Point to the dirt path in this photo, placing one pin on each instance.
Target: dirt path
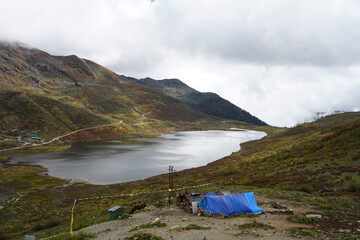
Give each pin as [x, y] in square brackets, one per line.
[62, 136]
[28, 145]
[274, 226]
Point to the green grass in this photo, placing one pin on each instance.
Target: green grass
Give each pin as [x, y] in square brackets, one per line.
[156, 224]
[124, 216]
[320, 234]
[325, 207]
[306, 188]
[243, 215]
[196, 227]
[307, 220]
[313, 212]
[77, 236]
[143, 236]
[48, 224]
[253, 224]
[9, 144]
[303, 233]
[347, 236]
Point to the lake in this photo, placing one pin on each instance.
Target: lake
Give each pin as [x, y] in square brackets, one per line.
[115, 161]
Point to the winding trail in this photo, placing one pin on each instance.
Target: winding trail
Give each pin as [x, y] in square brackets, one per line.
[28, 145]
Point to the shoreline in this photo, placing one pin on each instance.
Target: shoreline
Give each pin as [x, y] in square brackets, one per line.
[83, 179]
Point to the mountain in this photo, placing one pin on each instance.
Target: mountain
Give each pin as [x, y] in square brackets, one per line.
[53, 95]
[209, 103]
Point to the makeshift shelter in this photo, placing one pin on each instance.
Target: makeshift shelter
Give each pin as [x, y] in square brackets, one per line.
[187, 199]
[230, 204]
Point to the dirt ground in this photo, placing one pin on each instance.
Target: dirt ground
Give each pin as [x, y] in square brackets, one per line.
[275, 225]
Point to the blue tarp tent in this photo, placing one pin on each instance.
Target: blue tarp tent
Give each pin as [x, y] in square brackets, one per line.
[230, 204]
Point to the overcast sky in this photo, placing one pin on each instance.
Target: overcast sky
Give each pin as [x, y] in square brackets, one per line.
[281, 60]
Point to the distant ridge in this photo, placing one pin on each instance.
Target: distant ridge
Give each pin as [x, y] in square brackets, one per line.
[209, 103]
[319, 115]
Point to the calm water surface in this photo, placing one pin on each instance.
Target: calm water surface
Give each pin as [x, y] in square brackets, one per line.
[115, 161]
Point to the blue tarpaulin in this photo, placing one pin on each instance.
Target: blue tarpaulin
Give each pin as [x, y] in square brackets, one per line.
[230, 204]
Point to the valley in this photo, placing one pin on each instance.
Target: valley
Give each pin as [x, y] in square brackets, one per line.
[335, 196]
[50, 103]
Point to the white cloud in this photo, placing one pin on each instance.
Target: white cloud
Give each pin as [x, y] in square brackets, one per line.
[280, 60]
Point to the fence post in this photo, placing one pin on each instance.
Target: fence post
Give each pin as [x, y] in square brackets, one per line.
[72, 217]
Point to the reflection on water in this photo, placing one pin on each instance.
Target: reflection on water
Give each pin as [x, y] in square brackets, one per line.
[115, 161]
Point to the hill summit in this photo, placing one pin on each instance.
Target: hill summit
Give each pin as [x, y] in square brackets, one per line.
[208, 102]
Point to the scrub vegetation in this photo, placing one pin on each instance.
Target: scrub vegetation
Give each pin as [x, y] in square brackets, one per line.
[253, 224]
[196, 227]
[143, 236]
[156, 224]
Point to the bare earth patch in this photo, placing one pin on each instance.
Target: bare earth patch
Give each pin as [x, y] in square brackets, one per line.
[271, 226]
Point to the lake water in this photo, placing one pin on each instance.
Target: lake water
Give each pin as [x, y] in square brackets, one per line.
[116, 161]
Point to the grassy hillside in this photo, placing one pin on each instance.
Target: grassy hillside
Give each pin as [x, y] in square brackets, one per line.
[49, 116]
[53, 95]
[308, 157]
[290, 163]
[209, 103]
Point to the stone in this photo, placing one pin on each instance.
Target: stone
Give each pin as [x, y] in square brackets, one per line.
[175, 227]
[277, 205]
[272, 225]
[314, 215]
